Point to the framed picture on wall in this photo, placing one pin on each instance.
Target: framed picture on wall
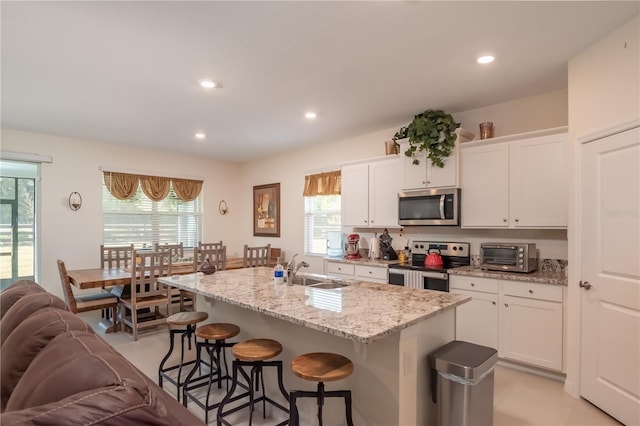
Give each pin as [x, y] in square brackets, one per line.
[266, 210]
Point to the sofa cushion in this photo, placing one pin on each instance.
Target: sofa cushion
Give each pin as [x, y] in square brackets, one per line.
[27, 340]
[79, 379]
[23, 308]
[15, 291]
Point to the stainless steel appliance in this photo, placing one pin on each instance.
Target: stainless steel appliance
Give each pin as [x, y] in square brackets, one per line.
[417, 275]
[429, 207]
[511, 257]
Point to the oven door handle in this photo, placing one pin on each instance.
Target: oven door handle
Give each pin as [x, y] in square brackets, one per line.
[438, 275]
[442, 207]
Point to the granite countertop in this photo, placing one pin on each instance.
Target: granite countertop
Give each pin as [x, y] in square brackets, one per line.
[362, 311]
[545, 277]
[363, 261]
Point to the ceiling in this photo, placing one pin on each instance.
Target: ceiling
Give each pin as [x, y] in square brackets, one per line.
[128, 72]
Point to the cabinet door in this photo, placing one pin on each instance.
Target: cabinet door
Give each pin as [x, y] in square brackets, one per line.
[485, 186]
[538, 194]
[415, 176]
[477, 320]
[531, 331]
[384, 185]
[355, 195]
[446, 176]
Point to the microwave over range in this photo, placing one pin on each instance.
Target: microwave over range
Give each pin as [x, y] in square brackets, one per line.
[429, 207]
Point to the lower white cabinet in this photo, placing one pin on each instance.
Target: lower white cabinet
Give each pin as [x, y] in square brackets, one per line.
[531, 328]
[522, 320]
[374, 274]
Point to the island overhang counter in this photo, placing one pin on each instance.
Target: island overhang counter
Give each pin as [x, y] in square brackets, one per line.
[387, 331]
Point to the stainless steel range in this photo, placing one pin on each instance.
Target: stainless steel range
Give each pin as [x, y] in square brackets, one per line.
[416, 275]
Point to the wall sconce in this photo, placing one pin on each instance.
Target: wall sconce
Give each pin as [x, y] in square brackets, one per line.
[75, 201]
[222, 207]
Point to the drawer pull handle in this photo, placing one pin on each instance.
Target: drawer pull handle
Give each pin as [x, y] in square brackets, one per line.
[506, 305]
[473, 284]
[530, 291]
[493, 303]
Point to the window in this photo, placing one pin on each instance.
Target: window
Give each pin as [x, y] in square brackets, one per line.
[321, 216]
[143, 222]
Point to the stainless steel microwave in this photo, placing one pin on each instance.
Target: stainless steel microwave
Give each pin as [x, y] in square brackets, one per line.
[429, 207]
[512, 257]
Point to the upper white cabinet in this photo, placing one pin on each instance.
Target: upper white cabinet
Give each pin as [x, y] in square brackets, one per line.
[515, 184]
[370, 193]
[425, 174]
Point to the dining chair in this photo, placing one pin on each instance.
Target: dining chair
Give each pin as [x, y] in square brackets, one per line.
[140, 308]
[256, 256]
[216, 256]
[86, 302]
[175, 250]
[209, 246]
[116, 256]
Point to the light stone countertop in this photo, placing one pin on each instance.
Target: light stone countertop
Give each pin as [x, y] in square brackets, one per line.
[363, 312]
[538, 276]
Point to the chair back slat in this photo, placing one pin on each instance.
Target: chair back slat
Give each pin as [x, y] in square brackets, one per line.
[256, 256]
[116, 256]
[209, 246]
[216, 256]
[69, 298]
[175, 250]
[148, 268]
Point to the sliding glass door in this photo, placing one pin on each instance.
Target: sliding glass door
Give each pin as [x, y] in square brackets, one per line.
[17, 221]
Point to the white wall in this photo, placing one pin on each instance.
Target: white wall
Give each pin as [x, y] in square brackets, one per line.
[604, 91]
[535, 113]
[75, 237]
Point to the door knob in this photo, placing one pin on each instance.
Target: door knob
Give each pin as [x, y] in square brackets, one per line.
[585, 285]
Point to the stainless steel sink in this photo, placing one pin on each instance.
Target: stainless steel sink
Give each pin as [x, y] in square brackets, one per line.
[318, 281]
[329, 285]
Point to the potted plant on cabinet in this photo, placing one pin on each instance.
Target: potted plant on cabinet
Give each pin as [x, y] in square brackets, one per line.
[432, 132]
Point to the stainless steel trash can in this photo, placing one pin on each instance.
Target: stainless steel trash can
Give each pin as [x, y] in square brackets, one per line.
[462, 383]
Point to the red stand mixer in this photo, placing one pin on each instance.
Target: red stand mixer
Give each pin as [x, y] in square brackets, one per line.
[353, 247]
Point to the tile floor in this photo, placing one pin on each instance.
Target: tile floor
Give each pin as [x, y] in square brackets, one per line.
[520, 398]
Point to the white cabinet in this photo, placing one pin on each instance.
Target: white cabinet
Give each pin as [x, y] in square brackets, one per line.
[425, 174]
[374, 274]
[370, 193]
[477, 320]
[522, 320]
[515, 184]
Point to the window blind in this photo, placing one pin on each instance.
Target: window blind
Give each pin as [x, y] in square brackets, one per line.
[321, 215]
[143, 222]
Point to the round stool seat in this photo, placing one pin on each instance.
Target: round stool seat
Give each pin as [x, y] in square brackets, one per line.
[256, 349]
[217, 331]
[187, 318]
[322, 366]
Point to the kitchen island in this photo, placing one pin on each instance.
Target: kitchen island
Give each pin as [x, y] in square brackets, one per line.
[387, 331]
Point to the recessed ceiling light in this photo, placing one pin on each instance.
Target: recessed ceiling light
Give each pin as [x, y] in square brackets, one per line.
[310, 115]
[485, 59]
[200, 135]
[210, 84]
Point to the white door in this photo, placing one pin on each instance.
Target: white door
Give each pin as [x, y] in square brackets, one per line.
[485, 186]
[610, 274]
[355, 195]
[384, 184]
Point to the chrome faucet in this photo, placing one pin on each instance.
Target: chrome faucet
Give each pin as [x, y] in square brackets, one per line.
[295, 270]
[290, 266]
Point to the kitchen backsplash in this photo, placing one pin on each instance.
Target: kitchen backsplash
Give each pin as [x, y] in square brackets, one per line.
[552, 265]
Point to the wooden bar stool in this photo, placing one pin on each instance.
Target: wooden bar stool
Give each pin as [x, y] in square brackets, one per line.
[214, 338]
[254, 353]
[320, 367]
[185, 323]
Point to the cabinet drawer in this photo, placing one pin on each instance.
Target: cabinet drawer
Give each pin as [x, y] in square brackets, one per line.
[532, 290]
[486, 285]
[340, 268]
[371, 272]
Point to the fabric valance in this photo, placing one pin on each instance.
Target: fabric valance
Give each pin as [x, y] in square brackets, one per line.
[124, 186]
[327, 183]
